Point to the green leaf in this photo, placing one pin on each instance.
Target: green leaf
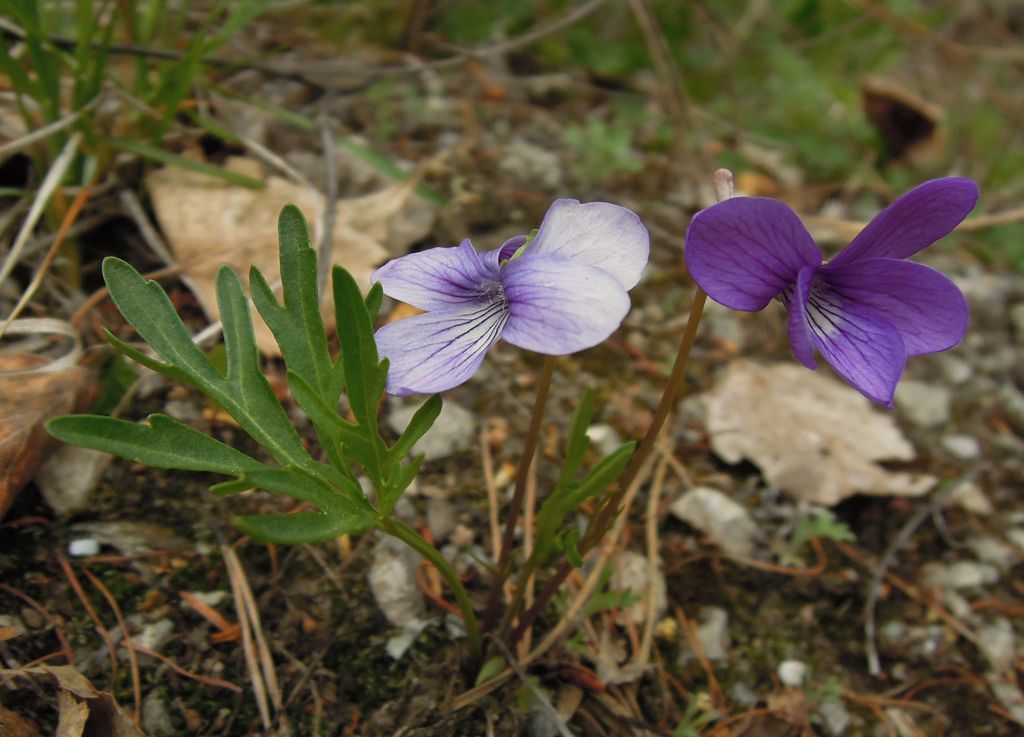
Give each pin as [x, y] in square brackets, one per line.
[165, 369]
[342, 495]
[822, 525]
[389, 168]
[343, 507]
[567, 543]
[148, 309]
[494, 665]
[578, 441]
[244, 393]
[421, 421]
[227, 488]
[297, 324]
[241, 13]
[399, 483]
[335, 427]
[373, 299]
[365, 374]
[364, 371]
[301, 528]
[566, 499]
[19, 79]
[605, 473]
[162, 442]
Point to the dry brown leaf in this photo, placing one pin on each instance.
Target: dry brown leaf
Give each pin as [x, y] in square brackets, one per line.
[811, 435]
[911, 127]
[83, 709]
[9, 633]
[26, 401]
[73, 715]
[210, 223]
[12, 725]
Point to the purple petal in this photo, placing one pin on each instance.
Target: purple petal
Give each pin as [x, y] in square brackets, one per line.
[503, 252]
[600, 234]
[435, 351]
[558, 305]
[926, 307]
[914, 221]
[862, 346]
[438, 277]
[800, 336]
[746, 250]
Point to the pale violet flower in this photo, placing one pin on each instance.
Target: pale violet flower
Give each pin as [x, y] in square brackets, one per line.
[866, 310]
[566, 290]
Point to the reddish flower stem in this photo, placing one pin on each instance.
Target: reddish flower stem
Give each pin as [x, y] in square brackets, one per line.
[610, 509]
[516, 505]
[601, 523]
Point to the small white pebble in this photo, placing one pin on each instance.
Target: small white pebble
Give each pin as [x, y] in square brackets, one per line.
[962, 447]
[792, 673]
[83, 548]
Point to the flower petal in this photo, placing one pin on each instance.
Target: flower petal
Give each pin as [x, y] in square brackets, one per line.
[559, 305]
[607, 236]
[800, 336]
[860, 344]
[926, 307]
[503, 252]
[438, 277]
[435, 351]
[914, 221]
[746, 250]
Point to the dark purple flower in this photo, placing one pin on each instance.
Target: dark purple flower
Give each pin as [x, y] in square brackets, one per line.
[867, 309]
[565, 291]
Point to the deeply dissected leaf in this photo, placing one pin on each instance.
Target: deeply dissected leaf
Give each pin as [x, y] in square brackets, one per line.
[304, 527]
[365, 374]
[244, 392]
[297, 324]
[162, 442]
[340, 496]
[148, 309]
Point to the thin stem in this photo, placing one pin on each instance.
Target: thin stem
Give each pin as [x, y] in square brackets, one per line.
[516, 505]
[668, 400]
[413, 539]
[600, 524]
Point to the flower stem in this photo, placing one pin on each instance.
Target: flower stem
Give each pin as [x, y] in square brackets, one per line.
[413, 539]
[600, 524]
[610, 509]
[516, 505]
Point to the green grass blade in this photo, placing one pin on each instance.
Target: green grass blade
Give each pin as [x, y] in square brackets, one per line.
[155, 153]
[390, 169]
